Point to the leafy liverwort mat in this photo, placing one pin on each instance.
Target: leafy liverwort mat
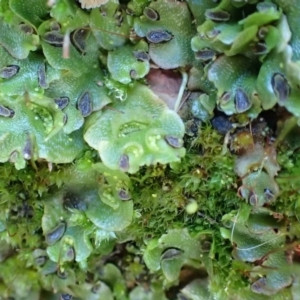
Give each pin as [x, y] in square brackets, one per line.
[149, 150]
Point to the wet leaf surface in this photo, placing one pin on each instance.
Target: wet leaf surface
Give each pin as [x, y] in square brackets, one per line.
[135, 121]
[175, 21]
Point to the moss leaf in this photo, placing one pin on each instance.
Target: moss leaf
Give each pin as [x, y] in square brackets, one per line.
[31, 11]
[176, 20]
[123, 64]
[26, 134]
[105, 217]
[12, 35]
[134, 133]
[105, 26]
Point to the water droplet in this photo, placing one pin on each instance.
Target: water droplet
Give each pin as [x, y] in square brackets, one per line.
[151, 14]
[62, 102]
[158, 36]
[78, 39]
[42, 76]
[55, 234]
[217, 16]
[171, 253]
[54, 38]
[242, 101]
[173, 141]
[9, 71]
[191, 207]
[6, 112]
[84, 104]
[281, 87]
[124, 163]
